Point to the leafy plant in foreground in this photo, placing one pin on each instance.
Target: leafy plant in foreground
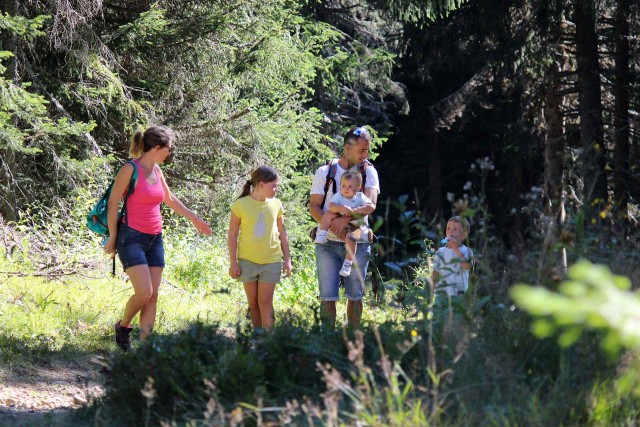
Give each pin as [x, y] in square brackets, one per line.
[592, 298]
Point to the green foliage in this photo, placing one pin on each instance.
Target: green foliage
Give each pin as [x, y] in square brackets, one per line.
[196, 266]
[23, 27]
[23, 117]
[422, 13]
[270, 368]
[467, 361]
[592, 299]
[238, 83]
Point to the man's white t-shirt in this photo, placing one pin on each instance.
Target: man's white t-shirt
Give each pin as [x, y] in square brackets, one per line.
[320, 178]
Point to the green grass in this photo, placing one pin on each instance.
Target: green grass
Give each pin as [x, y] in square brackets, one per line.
[77, 311]
[472, 363]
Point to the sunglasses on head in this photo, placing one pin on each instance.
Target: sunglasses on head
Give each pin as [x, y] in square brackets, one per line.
[361, 131]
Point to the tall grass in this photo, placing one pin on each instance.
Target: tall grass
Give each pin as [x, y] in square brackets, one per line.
[469, 361]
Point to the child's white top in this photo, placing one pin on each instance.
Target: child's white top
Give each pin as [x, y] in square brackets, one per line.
[453, 277]
[320, 179]
[359, 199]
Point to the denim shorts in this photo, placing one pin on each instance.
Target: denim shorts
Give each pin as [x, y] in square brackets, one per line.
[265, 273]
[329, 259]
[137, 248]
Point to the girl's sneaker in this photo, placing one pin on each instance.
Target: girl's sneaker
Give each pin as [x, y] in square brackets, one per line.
[321, 237]
[123, 336]
[345, 271]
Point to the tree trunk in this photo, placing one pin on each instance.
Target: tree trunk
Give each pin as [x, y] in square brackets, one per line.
[590, 110]
[7, 155]
[620, 160]
[554, 146]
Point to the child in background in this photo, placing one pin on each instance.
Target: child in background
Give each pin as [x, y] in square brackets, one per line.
[257, 242]
[349, 201]
[452, 261]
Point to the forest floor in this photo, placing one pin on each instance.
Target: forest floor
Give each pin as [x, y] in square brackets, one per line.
[47, 392]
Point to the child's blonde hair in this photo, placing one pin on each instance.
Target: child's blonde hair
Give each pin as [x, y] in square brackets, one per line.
[352, 175]
[463, 223]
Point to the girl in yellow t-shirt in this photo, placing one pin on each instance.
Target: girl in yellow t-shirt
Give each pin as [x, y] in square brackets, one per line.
[257, 241]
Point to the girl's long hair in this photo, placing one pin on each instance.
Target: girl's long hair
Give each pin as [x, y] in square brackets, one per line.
[145, 141]
[262, 174]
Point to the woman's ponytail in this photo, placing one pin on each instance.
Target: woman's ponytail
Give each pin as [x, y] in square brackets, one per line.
[137, 145]
[153, 136]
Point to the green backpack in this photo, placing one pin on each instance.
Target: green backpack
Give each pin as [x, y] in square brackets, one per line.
[97, 218]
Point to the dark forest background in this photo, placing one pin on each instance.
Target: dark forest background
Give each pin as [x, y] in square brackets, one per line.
[545, 90]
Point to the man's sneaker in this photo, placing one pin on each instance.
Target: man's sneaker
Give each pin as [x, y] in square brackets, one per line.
[123, 336]
[345, 271]
[321, 237]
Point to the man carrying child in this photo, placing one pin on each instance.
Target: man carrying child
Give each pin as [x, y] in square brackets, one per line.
[348, 202]
[330, 256]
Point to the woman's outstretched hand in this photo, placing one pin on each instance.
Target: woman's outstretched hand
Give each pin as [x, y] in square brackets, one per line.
[201, 225]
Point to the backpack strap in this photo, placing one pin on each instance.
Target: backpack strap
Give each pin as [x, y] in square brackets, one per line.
[130, 188]
[331, 178]
[362, 168]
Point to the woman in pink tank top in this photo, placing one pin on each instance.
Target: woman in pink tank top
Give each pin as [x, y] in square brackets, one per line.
[137, 239]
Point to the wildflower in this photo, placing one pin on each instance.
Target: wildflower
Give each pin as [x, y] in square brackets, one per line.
[236, 415]
[414, 333]
[603, 214]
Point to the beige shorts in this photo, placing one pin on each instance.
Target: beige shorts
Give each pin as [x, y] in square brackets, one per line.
[265, 273]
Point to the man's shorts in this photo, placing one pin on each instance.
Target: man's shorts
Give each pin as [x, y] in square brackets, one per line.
[329, 259]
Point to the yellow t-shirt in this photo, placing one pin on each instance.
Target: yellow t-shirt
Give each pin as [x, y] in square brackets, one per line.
[259, 239]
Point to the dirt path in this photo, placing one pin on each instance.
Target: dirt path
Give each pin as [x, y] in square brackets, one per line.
[40, 394]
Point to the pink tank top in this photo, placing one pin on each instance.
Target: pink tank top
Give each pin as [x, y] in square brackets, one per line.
[143, 205]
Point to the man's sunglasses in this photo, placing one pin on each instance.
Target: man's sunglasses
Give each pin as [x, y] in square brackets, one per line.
[361, 131]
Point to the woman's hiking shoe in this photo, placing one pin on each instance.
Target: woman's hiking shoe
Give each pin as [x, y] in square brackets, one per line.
[123, 336]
